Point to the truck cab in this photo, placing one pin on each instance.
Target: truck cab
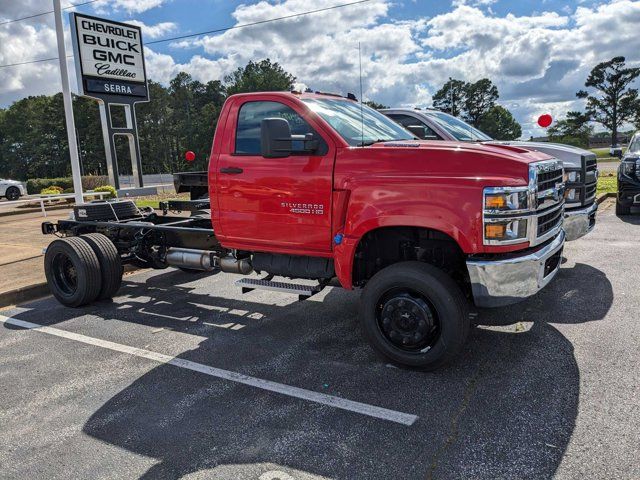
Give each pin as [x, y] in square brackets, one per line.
[629, 178]
[322, 188]
[580, 165]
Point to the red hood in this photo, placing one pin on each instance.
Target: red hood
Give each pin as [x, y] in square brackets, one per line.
[503, 151]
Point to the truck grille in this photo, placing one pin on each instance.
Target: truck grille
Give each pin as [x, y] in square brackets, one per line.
[549, 221]
[549, 194]
[591, 176]
[548, 180]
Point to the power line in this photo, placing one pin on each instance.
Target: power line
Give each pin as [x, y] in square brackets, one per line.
[31, 61]
[219, 30]
[260, 22]
[46, 13]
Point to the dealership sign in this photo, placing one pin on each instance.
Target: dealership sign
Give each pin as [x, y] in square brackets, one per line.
[109, 57]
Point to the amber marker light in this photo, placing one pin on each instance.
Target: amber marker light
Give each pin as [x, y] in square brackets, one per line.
[495, 231]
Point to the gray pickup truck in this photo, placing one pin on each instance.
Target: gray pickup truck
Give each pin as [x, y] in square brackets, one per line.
[580, 165]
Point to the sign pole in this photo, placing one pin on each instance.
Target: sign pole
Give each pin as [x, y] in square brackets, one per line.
[68, 105]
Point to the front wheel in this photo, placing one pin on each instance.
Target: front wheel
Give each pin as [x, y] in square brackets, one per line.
[12, 194]
[415, 315]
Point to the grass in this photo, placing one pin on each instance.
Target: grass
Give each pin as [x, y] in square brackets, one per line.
[607, 185]
[603, 154]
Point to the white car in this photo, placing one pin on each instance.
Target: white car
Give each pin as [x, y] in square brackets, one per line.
[11, 189]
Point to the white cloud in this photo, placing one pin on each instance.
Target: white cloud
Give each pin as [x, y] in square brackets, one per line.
[538, 60]
[130, 6]
[154, 31]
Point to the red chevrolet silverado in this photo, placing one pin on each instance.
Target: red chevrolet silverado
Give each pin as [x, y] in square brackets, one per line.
[322, 188]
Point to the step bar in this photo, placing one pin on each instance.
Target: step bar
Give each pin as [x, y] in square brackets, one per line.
[303, 291]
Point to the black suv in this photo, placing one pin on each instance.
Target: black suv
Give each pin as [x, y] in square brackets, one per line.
[629, 178]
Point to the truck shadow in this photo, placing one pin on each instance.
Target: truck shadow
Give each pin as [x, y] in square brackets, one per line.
[505, 409]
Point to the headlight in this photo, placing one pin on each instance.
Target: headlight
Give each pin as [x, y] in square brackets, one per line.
[504, 199]
[573, 177]
[572, 195]
[505, 230]
[627, 168]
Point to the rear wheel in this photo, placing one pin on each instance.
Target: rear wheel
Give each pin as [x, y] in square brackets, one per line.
[415, 315]
[73, 271]
[622, 209]
[110, 263]
[12, 193]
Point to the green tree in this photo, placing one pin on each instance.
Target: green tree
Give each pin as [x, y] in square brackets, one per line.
[451, 97]
[573, 130]
[613, 103]
[498, 123]
[375, 105]
[262, 76]
[479, 99]
[181, 116]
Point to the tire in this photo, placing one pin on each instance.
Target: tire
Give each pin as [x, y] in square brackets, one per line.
[12, 193]
[110, 263]
[622, 209]
[73, 272]
[426, 321]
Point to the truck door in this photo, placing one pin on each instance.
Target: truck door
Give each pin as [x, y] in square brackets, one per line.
[277, 204]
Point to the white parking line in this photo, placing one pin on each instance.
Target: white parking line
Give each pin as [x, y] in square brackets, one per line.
[310, 395]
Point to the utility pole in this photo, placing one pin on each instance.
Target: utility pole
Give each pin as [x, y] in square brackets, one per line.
[68, 105]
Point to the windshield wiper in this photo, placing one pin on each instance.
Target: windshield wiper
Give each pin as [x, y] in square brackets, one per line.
[368, 143]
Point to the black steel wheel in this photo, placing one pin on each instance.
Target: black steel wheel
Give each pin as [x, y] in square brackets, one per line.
[110, 263]
[73, 271]
[407, 320]
[415, 315]
[12, 193]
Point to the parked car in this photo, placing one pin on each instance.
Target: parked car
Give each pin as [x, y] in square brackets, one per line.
[615, 151]
[629, 178]
[11, 189]
[580, 165]
[318, 187]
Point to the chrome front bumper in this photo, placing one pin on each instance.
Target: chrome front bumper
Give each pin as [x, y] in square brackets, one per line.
[496, 283]
[577, 223]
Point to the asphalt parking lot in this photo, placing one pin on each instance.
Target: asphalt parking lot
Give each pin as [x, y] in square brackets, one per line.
[181, 376]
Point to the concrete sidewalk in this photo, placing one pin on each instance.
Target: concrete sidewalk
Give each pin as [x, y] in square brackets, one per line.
[21, 244]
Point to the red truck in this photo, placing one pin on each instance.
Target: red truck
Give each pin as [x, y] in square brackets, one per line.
[321, 188]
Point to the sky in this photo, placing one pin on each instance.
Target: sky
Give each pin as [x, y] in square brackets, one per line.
[538, 53]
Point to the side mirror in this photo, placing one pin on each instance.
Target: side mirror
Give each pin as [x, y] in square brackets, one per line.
[418, 130]
[275, 138]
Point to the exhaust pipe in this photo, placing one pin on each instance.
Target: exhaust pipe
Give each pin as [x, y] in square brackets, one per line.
[231, 264]
[207, 261]
[193, 259]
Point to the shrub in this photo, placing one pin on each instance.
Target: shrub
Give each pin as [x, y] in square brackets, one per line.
[69, 190]
[89, 182]
[36, 185]
[53, 190]
[107, 188]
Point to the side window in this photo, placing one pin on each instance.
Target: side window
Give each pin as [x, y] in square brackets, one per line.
[250, 117]
[406, 121]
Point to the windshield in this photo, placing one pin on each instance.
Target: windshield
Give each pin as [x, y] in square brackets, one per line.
[460, 130]
[355, 128]
[634, 146]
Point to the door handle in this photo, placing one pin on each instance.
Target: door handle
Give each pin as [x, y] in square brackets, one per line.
[231, 170]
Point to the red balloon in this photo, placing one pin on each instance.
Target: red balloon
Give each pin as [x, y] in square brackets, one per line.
[189, 156]
[545, 120]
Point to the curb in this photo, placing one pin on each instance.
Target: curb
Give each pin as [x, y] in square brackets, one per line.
[37, 291]
[24, 294]
[10, 213]
[604, 196]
